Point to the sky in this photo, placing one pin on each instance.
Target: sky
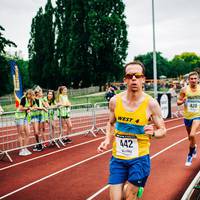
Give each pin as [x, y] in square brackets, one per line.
[177, 25]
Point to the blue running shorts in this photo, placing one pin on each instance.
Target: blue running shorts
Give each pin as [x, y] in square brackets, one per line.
[136, 171]
[188, 122]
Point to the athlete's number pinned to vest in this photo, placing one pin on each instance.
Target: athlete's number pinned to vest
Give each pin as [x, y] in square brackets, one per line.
[127, 147]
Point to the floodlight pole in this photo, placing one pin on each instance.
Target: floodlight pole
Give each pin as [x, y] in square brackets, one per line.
[154, 54]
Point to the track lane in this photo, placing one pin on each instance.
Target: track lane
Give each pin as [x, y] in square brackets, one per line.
[104, 165]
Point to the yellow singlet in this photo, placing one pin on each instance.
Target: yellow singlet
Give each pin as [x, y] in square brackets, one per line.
[192, 104]
[130, 141]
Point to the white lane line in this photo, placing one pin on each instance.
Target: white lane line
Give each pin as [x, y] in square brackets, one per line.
[173, 119]
[60, 171]
[54, 152]
[53, 174]
[153, 156]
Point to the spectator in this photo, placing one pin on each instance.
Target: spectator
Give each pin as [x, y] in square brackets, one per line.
[110, 93]
[37, 118]
[51, 104]
[23, 120]
[64, 111]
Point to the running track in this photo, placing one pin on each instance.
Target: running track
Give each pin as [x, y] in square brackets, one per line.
[78, 172]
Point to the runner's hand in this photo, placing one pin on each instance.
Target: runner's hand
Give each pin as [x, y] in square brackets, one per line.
[103, 146]
[149, 130]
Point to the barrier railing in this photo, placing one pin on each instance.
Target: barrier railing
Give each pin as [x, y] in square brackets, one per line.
[100, 118]
[80, 115]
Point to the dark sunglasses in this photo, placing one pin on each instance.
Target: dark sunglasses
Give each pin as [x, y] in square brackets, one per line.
[137, 75]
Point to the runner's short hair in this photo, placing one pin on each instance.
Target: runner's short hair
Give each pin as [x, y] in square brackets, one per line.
[135, 62]
[193, 73]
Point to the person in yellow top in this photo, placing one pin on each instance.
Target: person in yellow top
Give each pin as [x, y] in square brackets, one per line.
[64, 113]
[190, 97]
[129, 133]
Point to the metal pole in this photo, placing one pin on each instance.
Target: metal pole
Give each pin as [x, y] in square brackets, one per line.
[154, 54]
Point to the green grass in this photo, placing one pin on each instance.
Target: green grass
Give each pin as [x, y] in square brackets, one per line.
[87, 99]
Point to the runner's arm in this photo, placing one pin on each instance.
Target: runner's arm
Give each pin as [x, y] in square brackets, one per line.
[181, 98]
[155, 111]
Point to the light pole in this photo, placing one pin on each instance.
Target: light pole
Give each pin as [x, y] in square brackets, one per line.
[154, 54]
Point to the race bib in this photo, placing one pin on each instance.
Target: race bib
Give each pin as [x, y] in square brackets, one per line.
[193, 107]
[127, 146]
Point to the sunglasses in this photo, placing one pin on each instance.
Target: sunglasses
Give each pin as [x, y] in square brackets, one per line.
[137, 75]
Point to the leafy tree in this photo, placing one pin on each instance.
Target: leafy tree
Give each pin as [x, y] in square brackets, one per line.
[185, 62]
[35, 46]
[5, 76]
[147, 60]
[41, 48]
[92, 41]
[108, 39]
[62, 28]
[4, 42]
[49, 71]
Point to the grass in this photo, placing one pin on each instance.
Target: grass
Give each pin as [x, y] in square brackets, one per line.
[83, 99]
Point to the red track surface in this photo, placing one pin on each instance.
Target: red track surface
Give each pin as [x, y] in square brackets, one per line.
[76, 172]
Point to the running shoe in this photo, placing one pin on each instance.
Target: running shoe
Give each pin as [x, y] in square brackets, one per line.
[67, 140]
[188, 161]
[27, 152]
[38, 147]
[21, 152]
[195, 152]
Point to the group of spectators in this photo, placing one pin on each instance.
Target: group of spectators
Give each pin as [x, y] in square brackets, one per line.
[36, 110]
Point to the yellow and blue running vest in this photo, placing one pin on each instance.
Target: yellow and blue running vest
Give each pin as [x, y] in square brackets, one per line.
[192, 104]
[130, 141]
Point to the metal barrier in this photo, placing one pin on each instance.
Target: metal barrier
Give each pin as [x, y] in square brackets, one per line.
[100, 118]
[81, 117]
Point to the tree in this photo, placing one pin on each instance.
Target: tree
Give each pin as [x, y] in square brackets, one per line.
[49, 70]
[4, 42]
[185, 63]
[147, 60]
[35, 46]
[108, 39]
[92, 41]
[5, 75]
[62, 28]
[42, 64]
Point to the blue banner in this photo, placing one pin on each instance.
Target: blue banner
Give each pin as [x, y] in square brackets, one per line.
[17, 82]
